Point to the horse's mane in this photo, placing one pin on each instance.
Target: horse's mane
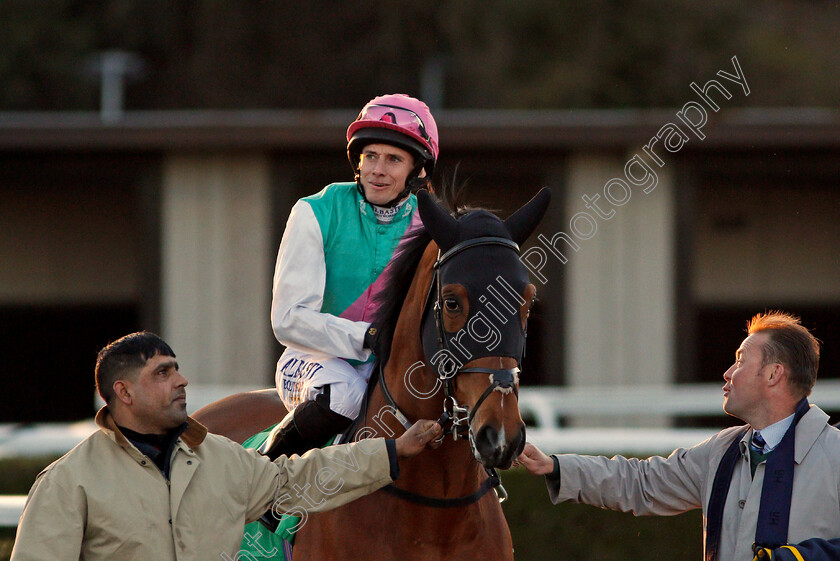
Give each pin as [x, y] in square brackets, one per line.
[390, 300]
[402, 269]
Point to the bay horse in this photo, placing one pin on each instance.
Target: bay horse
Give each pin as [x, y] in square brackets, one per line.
[451, 336]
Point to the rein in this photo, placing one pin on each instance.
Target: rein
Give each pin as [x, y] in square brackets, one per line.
[491, 482]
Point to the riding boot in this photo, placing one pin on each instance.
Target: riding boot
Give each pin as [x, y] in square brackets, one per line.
[309, 425]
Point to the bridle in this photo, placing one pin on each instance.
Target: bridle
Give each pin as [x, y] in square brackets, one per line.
[456, 419]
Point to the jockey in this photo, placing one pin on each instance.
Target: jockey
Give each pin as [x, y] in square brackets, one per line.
[335, 247]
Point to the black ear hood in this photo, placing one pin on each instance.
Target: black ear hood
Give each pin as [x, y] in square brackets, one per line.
[441, 225]
[523, 222]
[485, 261]
[447, 231]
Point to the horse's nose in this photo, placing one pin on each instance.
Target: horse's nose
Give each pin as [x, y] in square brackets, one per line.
[494, 451]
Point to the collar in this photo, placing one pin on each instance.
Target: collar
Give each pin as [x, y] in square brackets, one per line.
[405, 210]
[385, 215]
[193, 436]
[774, 433]
[808, 429]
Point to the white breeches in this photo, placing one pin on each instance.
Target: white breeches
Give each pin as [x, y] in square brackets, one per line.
[301, 376]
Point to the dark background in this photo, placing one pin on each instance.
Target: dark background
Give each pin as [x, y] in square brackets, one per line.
[200, 54]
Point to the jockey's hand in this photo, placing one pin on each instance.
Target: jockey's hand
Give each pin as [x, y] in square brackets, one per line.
[370, 336]
[535, 461]
[414, 440]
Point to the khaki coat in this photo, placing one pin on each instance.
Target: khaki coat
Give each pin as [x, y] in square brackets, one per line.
[105, 500]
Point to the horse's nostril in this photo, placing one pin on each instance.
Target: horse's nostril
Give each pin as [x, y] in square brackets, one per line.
[520, 442]
[486, 441]
[492, 451]
[491, 434]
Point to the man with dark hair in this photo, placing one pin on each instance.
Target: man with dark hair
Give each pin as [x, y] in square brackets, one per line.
[770, 489]
[126, 357]
[152, 483]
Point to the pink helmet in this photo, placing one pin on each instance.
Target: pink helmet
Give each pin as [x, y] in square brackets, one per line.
[399, 120]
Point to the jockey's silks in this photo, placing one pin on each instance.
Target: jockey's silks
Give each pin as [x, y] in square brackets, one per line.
[347, 223]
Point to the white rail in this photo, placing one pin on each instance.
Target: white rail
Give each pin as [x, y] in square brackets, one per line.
[544, 407]
[550, 404]
[11, 507]
[547, 407]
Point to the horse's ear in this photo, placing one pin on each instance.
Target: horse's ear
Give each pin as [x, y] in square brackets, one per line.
[440, 224]
[521, 223]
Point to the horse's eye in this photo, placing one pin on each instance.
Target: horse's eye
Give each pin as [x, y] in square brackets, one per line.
[451, 305]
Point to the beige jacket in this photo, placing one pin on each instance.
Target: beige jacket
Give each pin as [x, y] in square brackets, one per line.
[684, 480]
[105, 500]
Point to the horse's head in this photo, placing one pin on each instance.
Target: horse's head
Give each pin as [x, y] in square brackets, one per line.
[475, 322]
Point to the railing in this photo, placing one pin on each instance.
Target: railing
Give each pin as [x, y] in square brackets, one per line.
[676, 400]
[11, 507]
[546, 409]
[549, 407]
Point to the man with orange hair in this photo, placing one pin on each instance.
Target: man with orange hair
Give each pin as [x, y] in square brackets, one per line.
[770, 489]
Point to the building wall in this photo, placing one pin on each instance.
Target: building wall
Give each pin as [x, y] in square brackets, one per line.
[761, 242]
[764, 231]
[621, 279]
[184, 242]
[78, 262]
[216, 275]
[71, 232]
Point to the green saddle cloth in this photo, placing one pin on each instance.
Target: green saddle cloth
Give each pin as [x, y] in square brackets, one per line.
[257, 540]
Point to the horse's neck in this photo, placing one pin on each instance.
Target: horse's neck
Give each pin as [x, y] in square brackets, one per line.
[411, 383]
[418, 394]
[447, 471]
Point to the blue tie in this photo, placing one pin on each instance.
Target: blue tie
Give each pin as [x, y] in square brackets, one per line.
[757, 443]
